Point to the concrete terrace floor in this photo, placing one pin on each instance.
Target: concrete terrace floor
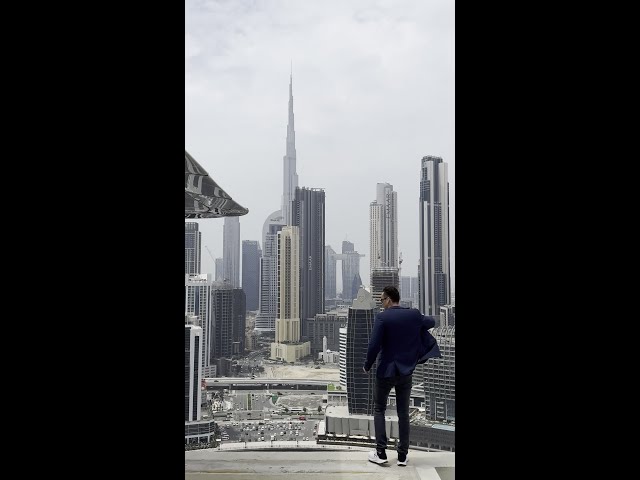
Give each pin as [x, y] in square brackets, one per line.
[314, 464]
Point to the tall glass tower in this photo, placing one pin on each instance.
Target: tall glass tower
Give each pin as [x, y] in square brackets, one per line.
[251, 254]
[192, 248]
[231, 251]
[308, 215]
[360, 385]
[434, 270]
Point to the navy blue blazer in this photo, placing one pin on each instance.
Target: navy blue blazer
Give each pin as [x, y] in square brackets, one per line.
[401, 336]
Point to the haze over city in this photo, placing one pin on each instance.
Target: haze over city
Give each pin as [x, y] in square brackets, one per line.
[373, 93]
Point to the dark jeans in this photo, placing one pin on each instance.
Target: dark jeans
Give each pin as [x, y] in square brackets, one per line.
[403, 393]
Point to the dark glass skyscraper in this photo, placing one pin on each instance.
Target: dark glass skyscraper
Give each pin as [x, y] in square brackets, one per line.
[228, 319]
[251, 254]
[308, 214]
[192, 248]
[360, 385]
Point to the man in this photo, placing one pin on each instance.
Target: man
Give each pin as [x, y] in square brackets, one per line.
[401, 336]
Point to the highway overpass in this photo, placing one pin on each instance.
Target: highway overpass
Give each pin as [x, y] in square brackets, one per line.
[239, 383]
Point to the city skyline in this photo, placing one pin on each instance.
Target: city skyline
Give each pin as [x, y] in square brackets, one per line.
[369, 104]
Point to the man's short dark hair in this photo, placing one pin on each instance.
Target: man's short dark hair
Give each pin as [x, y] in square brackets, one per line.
[393, 293]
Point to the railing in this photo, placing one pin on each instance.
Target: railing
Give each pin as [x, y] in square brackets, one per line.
[292, 444]
[283, 445]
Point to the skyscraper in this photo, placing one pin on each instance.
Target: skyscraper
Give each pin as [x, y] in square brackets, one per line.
[288, 317]
[405, 288]
[251, 254]
[329, 272]
[193, 371]
[219, 270]
[415, 291]
[447, 315]
[308, 215]
[383, 277]
[231, 251]
[265, 320]
[290, 177]
[228, 319]
[198, 303]
[192, 247]
[350, 265]
[440, 378]
[239, 321]
[356, 284]
[434, 269]
[287, 344]
[268, 294]
[359, 325]
[326, 325]
[383, 228]
[351, 281]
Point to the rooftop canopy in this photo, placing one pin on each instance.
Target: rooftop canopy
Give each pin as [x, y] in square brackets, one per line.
[203, 198]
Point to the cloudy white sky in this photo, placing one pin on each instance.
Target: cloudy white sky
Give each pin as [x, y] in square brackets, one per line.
[373, 89]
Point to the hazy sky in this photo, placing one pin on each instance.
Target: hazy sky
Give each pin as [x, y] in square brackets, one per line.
[373, 90]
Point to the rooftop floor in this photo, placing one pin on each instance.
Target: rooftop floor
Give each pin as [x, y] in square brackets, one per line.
[314, 464]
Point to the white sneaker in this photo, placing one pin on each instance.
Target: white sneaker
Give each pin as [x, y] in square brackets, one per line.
[373, 457]
[403, 463]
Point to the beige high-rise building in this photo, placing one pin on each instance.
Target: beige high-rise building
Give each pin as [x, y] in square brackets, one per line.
[383, 228]
[287, 344]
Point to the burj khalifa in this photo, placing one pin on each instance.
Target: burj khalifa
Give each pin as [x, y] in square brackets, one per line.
[266, 318]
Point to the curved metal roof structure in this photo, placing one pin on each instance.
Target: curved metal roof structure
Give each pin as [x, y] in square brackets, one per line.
[203, 198]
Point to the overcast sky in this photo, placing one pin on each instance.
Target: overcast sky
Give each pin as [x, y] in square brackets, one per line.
[373, 90]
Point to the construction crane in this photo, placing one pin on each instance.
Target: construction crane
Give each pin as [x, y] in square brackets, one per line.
[211, 255]
[214, 261]
[213, 268]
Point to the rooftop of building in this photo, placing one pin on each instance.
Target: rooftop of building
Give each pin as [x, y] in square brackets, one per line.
[311, 461]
